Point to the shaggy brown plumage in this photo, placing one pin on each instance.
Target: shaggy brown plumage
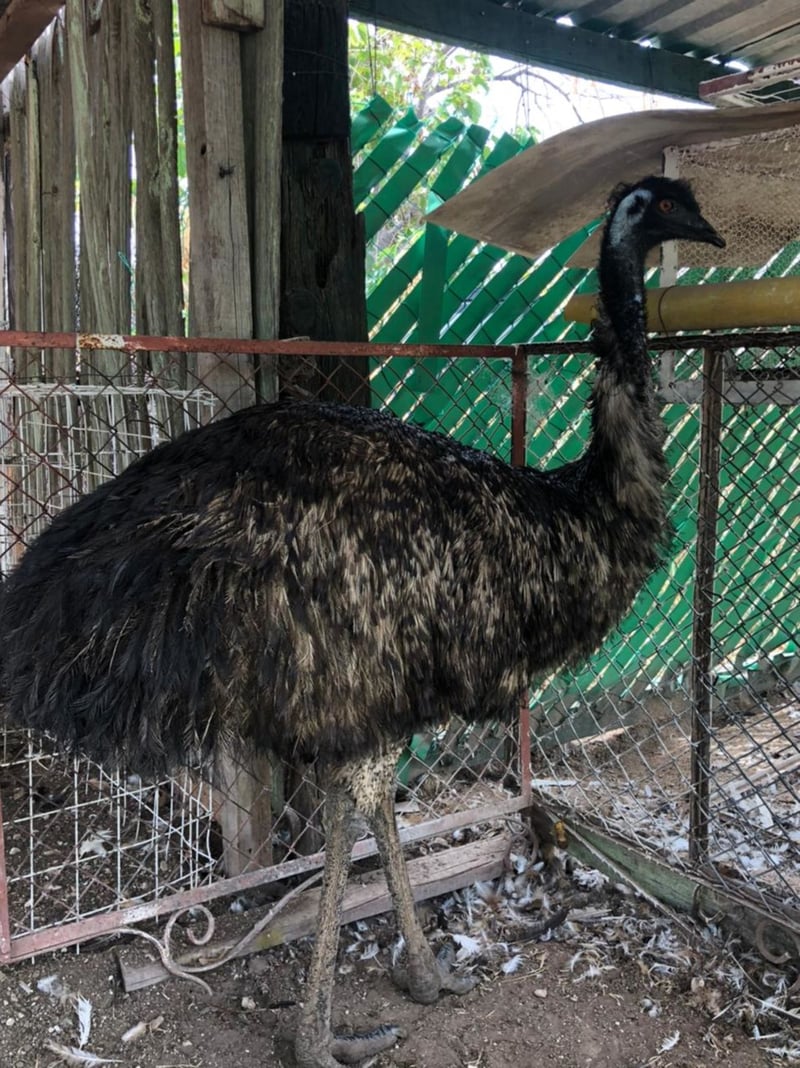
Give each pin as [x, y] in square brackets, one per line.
[322, 581]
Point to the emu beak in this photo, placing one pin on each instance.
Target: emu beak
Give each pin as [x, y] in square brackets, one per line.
[704, 231]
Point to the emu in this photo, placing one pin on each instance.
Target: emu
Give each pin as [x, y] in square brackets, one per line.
[322, 581]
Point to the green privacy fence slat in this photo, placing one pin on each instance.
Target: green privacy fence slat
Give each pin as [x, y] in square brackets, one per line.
[403, 281]
[453, 175]
[384, 156]
[434, 263]
[390, 289]
[366, 124]
[448, 287]
[385, 201]
[432, 286]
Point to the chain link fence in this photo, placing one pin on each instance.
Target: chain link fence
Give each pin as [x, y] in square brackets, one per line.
[680, 735]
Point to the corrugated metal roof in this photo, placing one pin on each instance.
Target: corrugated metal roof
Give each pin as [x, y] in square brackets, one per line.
[755, 33]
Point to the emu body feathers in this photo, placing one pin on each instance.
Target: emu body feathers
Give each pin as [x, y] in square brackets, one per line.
[312, 579]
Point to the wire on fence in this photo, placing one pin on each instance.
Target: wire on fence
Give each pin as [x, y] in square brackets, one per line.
[688, 750]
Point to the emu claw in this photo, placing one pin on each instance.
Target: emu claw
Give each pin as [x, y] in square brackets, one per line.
[424, 985]
[452, 983]
[314, 1049]
[349, 1049]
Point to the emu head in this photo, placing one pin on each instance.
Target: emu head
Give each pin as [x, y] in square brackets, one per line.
[658, 209]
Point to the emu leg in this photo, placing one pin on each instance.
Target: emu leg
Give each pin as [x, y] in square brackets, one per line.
[425, 975]
[315, 1045]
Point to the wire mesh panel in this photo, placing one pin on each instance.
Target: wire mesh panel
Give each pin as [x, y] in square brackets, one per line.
[85, 845]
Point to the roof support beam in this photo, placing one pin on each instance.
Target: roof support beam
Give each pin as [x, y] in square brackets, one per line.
[20, 25]
[525, 38]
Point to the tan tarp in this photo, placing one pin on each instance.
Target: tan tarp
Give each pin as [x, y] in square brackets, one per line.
[544, 194]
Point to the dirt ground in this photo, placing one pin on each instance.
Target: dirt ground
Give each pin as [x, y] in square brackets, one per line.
[550, 1012]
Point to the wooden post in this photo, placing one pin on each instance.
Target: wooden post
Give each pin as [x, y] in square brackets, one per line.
[57, 134]
[322, 249]
[98, 77]
[220, 296]
[705, 563]
[220, 304]
[323, 288]
[262, 85]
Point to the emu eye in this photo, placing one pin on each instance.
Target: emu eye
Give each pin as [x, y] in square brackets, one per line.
[666, 206]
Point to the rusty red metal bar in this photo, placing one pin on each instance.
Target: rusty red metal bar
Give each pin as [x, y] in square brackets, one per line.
[305, 347]
[5, 926]
[242, 346]
[519, 406]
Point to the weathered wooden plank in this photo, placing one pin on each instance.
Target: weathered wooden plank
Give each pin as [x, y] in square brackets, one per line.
[220, 297]
[438, 873]
[172, 369]
[33, 203]
[150, 305]
[237, 14]
[167, 111]
[765, 922]
[262, 83]
[158, 285]
[24, 191]
[101, 110]
[17, 216]
[57, 146]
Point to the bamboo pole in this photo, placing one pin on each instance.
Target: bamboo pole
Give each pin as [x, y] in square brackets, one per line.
[711, 306]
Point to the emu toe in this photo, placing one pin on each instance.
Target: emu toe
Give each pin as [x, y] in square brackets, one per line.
[425, 977]
[315, 1052]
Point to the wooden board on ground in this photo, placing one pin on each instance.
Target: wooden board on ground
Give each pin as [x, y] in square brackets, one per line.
[438, 873]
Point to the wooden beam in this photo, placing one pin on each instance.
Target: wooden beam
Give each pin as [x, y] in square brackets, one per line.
[239, 15]
[20, 24]
[322, 280]
[764, 919]
[367, 895]
[525, 38]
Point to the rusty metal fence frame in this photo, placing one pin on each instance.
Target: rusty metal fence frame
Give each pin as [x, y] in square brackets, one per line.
[519, 359]
[75, 931]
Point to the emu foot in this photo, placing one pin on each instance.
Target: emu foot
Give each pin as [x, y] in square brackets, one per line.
[349, 1049]
[425, 977]
[344, 1049]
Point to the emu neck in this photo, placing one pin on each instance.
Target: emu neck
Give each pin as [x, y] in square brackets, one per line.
[625, 458]
[622, 293]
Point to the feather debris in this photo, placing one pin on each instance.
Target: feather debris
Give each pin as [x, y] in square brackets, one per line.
[83, 1010]
[670, 1042]
[78, 1058]
[512, 965]
[53, 986]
